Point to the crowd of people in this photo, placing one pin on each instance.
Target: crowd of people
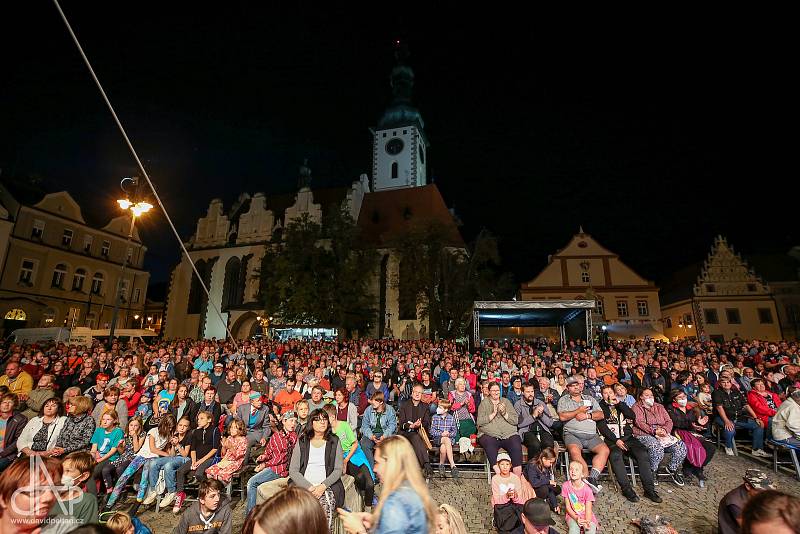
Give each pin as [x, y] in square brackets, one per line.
[155, 420]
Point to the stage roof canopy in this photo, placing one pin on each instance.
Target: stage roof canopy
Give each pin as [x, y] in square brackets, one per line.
[530, 312]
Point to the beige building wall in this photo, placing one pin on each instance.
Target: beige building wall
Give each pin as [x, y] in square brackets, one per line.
[62, 272]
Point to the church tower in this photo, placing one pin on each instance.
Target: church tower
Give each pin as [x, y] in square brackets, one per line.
[399, 148]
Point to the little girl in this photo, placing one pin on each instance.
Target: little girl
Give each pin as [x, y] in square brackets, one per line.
[234, 449]
[506, 490]
[134, 440]
[578, 498]
[539, 473]
[105, 442]
[704, 398]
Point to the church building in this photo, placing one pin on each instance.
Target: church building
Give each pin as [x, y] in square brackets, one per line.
[227, 246]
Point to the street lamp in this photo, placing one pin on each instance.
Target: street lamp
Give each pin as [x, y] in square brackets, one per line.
[136, 318]
[137, 209]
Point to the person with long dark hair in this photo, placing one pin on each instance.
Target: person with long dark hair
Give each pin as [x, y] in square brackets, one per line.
[317, 463]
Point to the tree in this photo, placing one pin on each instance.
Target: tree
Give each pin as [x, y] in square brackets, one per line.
[318, 276]
[444, 280]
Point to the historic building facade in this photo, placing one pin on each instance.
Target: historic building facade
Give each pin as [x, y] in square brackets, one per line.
[720, 299]
[227, 247]
[60, 271]
[626, 304]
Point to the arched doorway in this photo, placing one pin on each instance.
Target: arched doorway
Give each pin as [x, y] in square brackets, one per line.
[13, 319]
[245, 326]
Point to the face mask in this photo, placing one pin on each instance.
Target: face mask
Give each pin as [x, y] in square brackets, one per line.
[440, 410]
[68, 481]
[649, 402]
[682, 402]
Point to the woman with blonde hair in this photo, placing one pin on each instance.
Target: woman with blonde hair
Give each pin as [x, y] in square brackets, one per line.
[449, 521]
[405, 504]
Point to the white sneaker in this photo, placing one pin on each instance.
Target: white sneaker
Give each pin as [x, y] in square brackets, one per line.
[150, 497]
[167, 500]
[762, 453]
[729, 451]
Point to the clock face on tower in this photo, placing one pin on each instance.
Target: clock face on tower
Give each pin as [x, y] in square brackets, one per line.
[394, 146]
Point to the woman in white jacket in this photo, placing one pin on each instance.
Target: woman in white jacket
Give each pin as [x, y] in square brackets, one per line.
[39, 436]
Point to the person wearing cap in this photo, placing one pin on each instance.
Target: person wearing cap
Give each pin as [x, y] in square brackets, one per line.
[217, 374]
[729, 513]
[507, 498]
[256, 419]
[536, 517]
[274, 462]
[580, 414]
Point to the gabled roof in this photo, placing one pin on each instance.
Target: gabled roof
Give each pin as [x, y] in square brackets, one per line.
[581, 245]
[388, 215]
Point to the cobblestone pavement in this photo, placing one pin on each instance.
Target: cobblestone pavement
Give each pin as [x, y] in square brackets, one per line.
[690, 508]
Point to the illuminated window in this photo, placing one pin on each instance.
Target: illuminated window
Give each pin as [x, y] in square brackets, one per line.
[16, 314]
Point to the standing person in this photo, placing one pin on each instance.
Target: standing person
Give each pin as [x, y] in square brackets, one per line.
[12, 423]
[578, 499]
[317, 463]
[729, 513]
[210, 514]
[405, 505]
[274, 463]
[413, 416]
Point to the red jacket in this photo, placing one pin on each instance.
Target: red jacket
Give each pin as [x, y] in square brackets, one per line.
[760, 406]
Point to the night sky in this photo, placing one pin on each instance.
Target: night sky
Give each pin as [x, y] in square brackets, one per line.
[655, 137]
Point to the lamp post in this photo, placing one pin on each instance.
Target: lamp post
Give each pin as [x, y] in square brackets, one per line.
[137, 209]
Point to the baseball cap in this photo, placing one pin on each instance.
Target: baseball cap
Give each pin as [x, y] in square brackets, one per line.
[537, 512]
[503, 456]
[758, 479]
[572, 380]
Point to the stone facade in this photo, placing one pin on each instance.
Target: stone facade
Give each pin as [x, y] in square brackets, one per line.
[61, 271]
[727, 299]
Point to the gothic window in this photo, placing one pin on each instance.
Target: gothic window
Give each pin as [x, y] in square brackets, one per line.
[196, 293]
[422, 154]
[58, 276]
[711, 316]
[97, 283]
[765, 316]
[641, 307]
[733, 315]
[233, 289]
[407, 295]
[78, 279]
[668, 322]
[622, 308]
[394, 169]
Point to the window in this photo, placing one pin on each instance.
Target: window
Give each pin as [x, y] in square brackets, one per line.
[711, 288]
[38, 229]
[78, 279]
[668, 322]
[422, 155]
[130, 254]
[711, 316]
[622, 308]
[16, 314]
[106, 248]
[136, 294]
[765, 316]
[48, 317]
[66, 239]
[585, 277]
[58, 276]
[384, 134]
[87, 244]
[26, 272]
[733, 316]
[641, 307]
[751, 288]
[124, 285]
[394, 169]
[405, 132]
[598, 307]
[97, 283]
[91, 320]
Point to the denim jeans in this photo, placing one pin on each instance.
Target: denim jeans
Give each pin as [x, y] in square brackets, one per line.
[265, 475]
[170, 465]
[749, 424]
